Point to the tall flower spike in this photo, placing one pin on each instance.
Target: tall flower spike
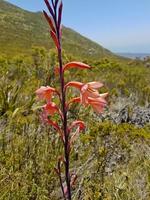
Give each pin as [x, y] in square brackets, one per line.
[89, 96]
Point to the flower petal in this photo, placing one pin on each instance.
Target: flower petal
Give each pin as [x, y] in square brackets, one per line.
[97, 100]
[75, 100]
[45, 93]
[80, 126]
[56, 126]
[95, 85]
[104, 95]
[75, 84]
[50, 108]
[98, 107]
[97, 104]
[86, 92]
[78, 123]
[76, 65]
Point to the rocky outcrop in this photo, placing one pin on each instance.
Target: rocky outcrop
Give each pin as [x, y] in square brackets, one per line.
[126, 111]
[137, 115]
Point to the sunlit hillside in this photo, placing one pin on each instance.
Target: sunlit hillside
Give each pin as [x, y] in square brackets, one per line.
[21, 30]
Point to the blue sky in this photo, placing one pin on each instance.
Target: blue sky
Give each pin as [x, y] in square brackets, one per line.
[119, 25]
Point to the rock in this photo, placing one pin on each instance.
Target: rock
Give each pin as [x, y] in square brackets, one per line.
[137, 115]
[141, 116]
[123, 116]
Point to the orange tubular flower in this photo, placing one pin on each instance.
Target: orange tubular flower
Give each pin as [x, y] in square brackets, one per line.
[74, 64]
[75, 84]
[86, 90]
[50, 108]
[73, 100]
[80, 126]
[45, 93]
[90, 90]
[89, 95]
[78, 123]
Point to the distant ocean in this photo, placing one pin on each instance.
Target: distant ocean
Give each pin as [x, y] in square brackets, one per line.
[134, 55]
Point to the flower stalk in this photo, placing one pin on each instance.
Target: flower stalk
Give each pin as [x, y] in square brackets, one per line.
[57, 40]
[65, 130]
[89, 96]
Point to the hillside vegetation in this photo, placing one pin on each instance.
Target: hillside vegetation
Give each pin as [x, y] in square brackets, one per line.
[111, 158]
[21, 30]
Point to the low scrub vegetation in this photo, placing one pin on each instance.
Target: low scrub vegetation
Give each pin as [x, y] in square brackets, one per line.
[111, 160]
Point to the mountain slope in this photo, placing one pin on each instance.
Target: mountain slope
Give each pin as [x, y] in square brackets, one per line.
[21, 29]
